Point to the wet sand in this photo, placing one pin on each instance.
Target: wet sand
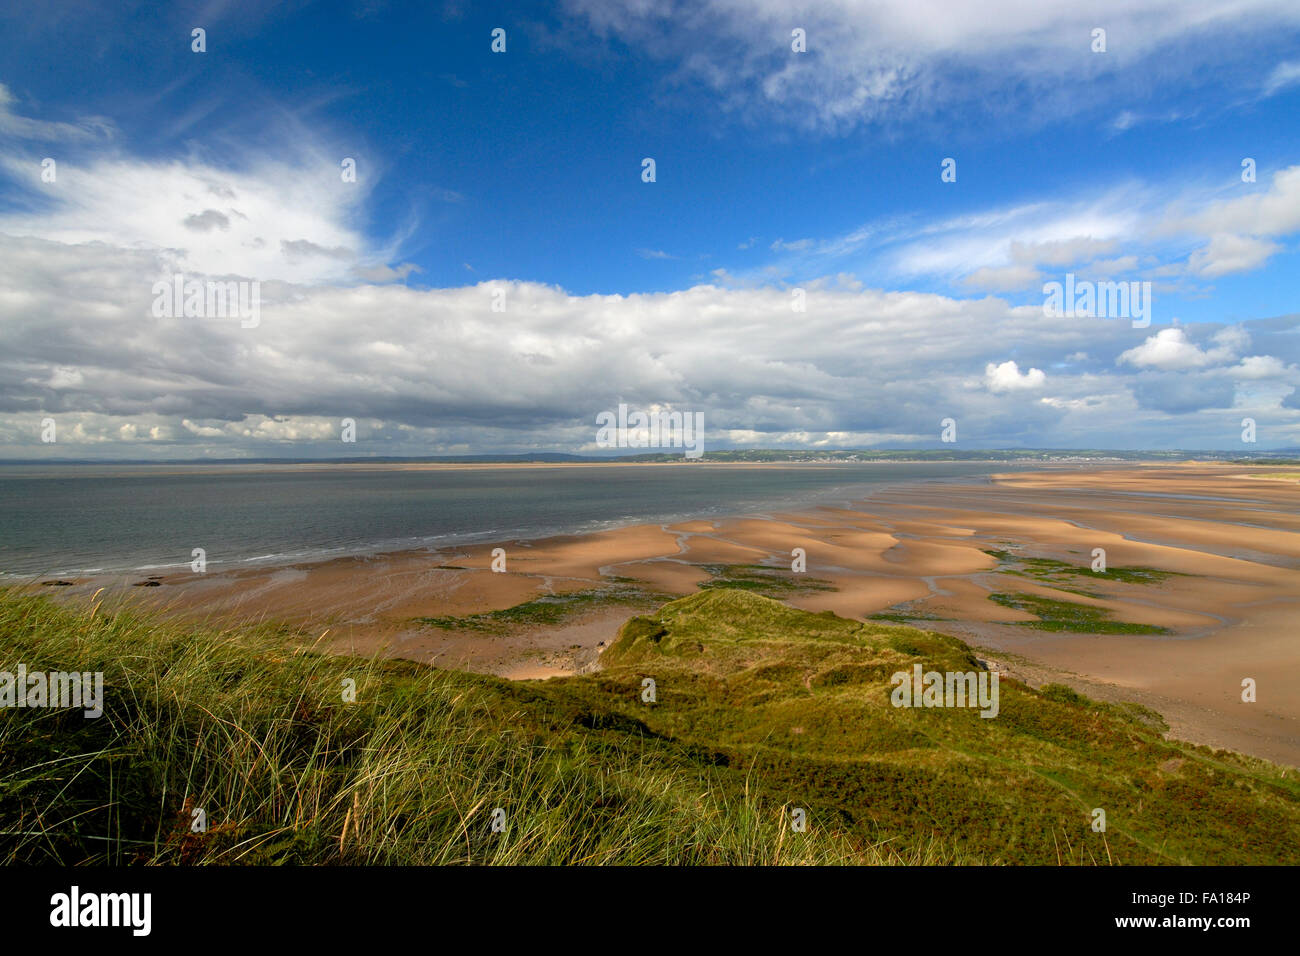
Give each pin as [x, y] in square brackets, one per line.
[1231, 534]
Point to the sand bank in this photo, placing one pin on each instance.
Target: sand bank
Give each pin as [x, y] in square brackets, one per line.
[1230, 535]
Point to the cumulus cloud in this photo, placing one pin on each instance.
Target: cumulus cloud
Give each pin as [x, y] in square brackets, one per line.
[1171, 350]
[1167, 349]
[438, 371]
[426, 371]
[1272, 211]
[1257, 367]
[1007, 377]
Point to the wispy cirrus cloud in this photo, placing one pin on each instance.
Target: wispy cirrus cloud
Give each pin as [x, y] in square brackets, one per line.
[15, 126]
[896, 59]
[1155, 231]
[1284, 75]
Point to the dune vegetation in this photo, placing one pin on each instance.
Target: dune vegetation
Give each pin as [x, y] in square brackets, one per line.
[761, 715]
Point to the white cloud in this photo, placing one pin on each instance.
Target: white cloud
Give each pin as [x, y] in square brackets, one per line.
[1284, 74]
[1274, 211]
[24, 128]
[1004, 278]
[1167, 349]
[1227, 254]
[868, 62]
[1171, 350]
[1007, 377]
[285, 219]
[1061, 252]
[1263, 367]
[427, 371]
[1150, 231]
[436, 371]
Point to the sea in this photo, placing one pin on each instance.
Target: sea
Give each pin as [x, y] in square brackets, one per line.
[71, 519]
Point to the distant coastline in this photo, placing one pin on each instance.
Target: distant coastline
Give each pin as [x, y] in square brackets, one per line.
[731, 456]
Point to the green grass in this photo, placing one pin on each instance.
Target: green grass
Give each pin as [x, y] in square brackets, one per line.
[1056, 615]
[898, 617]
[803, 700]
[547, 611]
[764, 580]
[254, 730]
[1052, 571]
[760, 708]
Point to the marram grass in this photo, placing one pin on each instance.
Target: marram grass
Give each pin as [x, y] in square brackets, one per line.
[760, 709]
[251, 728]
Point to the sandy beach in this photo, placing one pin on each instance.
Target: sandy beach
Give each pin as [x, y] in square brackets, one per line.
[1229, 535]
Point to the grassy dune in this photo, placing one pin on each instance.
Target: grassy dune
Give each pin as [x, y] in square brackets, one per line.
[547, 611]
[760, 709]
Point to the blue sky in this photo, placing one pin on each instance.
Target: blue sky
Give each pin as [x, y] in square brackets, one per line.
[774, 170]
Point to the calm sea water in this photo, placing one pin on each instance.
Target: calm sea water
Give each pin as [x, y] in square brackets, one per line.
[76, 519]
